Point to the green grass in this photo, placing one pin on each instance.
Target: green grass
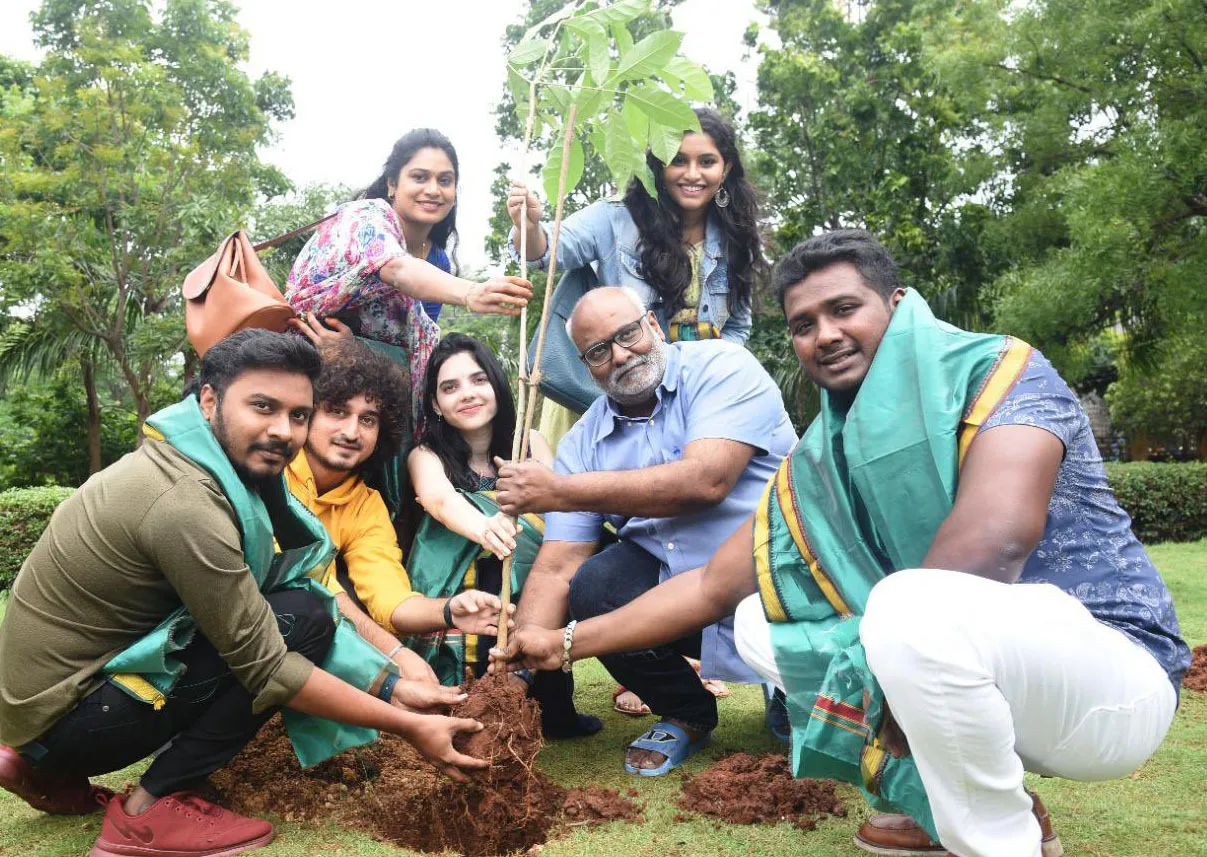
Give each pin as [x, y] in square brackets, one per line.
[1159, 809]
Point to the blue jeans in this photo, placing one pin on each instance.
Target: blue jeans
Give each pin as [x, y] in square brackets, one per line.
[666, 682]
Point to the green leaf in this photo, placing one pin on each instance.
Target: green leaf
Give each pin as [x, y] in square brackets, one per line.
[637, 123]
[664, 142]
[647, 178]
[695, 79]
[648, 56]
[560, 15]
[619, 152]
[553, 168]
[622, 11]
[664, 108]
[528, 51]
[589, 99]
[622, 37]
[596, 39]
[518, 87]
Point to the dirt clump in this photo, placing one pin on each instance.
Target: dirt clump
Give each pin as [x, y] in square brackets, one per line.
[746, 789]
[390, 791]
[1196, 676]
[593, 805]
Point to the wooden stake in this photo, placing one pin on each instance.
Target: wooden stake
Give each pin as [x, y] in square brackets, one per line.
[526, 409]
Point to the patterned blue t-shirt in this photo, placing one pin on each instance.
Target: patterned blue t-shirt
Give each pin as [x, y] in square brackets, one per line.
[1088, 548]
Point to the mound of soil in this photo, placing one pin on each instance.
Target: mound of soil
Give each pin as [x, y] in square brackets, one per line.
[390, 791]
[745, 789]
[1196, 676]
[593, 805]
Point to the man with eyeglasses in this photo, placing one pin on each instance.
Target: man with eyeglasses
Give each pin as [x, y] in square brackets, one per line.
[675, 456]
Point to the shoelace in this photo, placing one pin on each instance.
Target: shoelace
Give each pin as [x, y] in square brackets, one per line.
[196, 802]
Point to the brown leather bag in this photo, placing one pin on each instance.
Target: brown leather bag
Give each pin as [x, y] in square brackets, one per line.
[231, 291]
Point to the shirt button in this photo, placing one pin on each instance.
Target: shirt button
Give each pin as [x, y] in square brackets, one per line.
[670, 546]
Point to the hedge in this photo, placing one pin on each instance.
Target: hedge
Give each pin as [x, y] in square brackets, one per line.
[1167, 502]
[24, 513]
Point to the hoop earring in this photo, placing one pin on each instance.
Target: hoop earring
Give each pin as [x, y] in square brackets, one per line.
[722, 197]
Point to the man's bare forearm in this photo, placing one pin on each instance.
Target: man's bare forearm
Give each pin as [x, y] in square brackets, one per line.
[545, 602]
[373, 633]
[662, 491]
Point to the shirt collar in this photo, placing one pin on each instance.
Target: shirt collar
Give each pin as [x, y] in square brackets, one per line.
[669, 383]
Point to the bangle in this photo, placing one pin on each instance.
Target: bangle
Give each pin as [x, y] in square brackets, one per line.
[395, 651]
[386, 692]
[567, 642]
[448, 614]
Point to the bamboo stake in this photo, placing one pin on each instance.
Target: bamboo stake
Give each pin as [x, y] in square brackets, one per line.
[520, 442]
[521, 388]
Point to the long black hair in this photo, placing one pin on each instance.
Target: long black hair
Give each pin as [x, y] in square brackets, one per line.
[444, 440]
[444, 234]
[664, 259]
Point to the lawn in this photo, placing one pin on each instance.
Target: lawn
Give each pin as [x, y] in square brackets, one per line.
[1159, 809]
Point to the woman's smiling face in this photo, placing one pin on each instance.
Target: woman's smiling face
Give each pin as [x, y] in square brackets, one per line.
[465, 398]
[425, 190]
[695, 174]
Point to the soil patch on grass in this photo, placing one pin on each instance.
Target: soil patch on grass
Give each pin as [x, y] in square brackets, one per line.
[390, 791]
[1196, 676]
[746, 789]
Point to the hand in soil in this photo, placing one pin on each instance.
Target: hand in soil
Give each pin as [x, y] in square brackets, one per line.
[529, 647]
[424, 698]
[649, 759]
[433, 737]
[477, 612]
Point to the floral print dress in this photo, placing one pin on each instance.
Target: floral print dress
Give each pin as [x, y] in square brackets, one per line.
[338, 273]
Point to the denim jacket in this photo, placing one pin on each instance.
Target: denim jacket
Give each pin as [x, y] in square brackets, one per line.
[604, 233]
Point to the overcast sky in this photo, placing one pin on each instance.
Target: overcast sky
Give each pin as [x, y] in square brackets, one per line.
[366, 71]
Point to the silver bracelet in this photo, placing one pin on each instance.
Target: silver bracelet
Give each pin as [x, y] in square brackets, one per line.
[567, 642]
[395, 651]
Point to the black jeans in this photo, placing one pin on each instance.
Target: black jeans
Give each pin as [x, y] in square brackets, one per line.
[666, 682]
[207, 718]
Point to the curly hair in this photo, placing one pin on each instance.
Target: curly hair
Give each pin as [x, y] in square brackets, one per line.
[350, 369]
[660, 224]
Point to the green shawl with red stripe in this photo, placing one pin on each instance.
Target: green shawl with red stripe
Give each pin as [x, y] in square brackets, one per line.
[862, 495]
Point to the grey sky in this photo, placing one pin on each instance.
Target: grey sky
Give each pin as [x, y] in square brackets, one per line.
[366, 71]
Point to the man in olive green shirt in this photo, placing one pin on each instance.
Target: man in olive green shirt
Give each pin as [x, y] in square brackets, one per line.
[140, 539]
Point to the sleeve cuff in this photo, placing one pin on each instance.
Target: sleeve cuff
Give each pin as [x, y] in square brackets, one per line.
[284, 684]
[541, 264]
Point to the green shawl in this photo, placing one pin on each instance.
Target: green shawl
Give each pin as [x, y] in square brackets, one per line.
[862, 495]
[443, 563]
[149, 669]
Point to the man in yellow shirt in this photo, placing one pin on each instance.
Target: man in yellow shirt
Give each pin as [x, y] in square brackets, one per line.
[360, 402]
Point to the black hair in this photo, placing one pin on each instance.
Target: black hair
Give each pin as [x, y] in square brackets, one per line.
[666, 264]
[444, 234]
[855, 246]
[444, 440]
[256, 348]
[351, 369]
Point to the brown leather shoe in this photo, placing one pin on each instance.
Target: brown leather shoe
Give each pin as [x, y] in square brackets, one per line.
[898, 835]
[52, 793]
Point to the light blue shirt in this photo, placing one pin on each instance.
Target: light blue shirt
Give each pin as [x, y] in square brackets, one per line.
[710, 390]
[604, 235]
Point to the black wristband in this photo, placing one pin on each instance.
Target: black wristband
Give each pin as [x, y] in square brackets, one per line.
[386, 692]
[448, 614]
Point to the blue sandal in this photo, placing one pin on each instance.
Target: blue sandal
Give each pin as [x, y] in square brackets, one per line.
[669, 740]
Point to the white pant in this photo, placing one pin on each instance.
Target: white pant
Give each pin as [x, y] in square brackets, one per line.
[988, 680]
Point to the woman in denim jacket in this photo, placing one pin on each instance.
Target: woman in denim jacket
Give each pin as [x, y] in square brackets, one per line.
[691, 253]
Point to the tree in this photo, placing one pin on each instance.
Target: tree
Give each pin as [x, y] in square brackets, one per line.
[1096, 112]
[855, 129]
[125, 161]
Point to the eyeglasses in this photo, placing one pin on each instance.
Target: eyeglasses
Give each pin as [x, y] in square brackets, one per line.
[628, 336]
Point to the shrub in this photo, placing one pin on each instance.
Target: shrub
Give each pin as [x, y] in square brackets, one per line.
[1167, 502]
[24, 513]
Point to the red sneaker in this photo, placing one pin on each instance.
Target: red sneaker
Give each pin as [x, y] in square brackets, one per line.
[53, 793]
[178, 825]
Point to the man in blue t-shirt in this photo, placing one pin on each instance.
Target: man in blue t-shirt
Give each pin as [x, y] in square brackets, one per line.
[674, 458]
[1036, 635]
